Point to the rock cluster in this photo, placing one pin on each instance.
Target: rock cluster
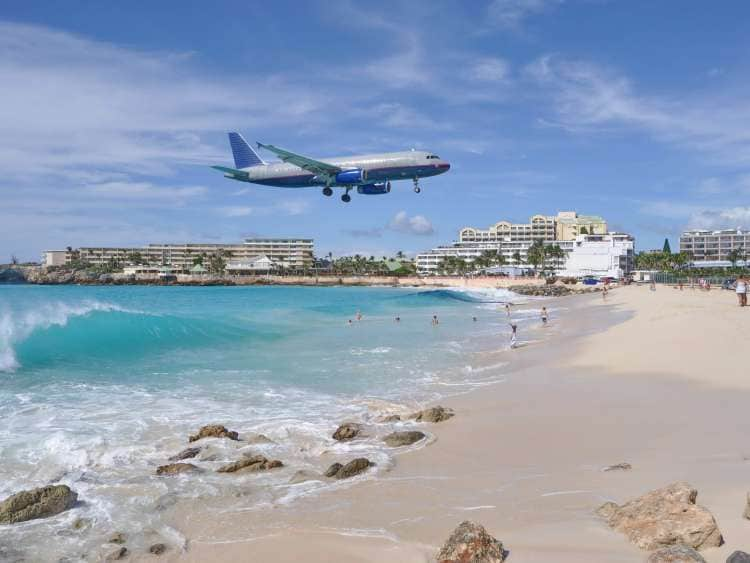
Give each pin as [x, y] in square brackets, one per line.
[175, 468]
[675, 554]
[214, 431]
[404, 438]
[664, 517]
[433, 414]
[354, 467]
[187, 453]
[37, 503]
[471, 543]
[554, 290]
[347, 431]
[251, 463]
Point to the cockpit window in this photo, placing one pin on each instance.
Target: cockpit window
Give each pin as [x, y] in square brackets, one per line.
[431, 156]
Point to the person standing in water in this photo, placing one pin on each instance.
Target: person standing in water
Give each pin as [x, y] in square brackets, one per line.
[359, 315]
[435, 320]
[507, 310]
[544, 316]
[513, 336]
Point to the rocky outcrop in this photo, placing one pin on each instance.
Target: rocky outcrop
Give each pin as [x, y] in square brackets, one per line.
[405, 438]
[157, 549]
[624, 466]
[470, 543]
[214, 431]
[675, 554]
[347, 431]
[354, 467]
[746, 512]
[175, 468]
[252, 463]
[663, 518]
[37, 503]
[739, 557]
[187, 453]
[433, 414]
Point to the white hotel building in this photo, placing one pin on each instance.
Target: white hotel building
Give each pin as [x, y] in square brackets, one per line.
[590, 248]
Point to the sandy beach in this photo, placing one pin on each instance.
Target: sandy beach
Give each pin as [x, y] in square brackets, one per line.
[654, 379]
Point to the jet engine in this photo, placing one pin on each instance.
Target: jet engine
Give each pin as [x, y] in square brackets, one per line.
[373, 189]
[355, 176]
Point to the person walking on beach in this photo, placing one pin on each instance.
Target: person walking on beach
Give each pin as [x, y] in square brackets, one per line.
[507, 310]
[604, 291]
[653, 285]
[435, 320]
[544, 316]
[740, 287]
[513, 336]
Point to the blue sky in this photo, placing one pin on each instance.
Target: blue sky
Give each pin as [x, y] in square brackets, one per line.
[111, 113]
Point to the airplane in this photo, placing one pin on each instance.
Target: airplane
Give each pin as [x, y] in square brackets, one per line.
[369, 174]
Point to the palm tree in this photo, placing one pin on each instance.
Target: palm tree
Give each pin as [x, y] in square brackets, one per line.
[537, 254]
[517, 257]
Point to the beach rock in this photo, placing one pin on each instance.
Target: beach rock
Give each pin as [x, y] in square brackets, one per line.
[333, 470]
[391, 418]
[405, 438]
[304, 475]
[746, 513]
[37, 503]
[117, 537]
[115, 553]
[187, 453]
[739, 557]
[347, 431]
[175, 468]
[252, 463]
[157, 548]
[470, 543]
[214, 431]
[434, 414]
[624, 466]
[664, 517]
[354, 467]
[675, 554]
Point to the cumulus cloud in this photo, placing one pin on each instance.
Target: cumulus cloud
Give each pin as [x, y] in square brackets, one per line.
[415, 225]
[720, 218]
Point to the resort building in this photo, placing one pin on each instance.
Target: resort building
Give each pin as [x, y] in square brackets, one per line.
[589, 248]
[282, 253]
[715, 246]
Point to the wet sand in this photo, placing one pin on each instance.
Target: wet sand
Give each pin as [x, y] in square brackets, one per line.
[655, 379]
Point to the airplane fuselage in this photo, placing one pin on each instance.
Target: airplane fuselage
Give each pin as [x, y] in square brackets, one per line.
[377, 168]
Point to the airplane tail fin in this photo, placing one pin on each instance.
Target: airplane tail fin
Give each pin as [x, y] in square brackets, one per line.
[244, 155]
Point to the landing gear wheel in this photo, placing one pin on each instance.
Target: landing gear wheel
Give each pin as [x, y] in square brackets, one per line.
[328, 192]
[346, 198]
[417, 189]
[416, 186]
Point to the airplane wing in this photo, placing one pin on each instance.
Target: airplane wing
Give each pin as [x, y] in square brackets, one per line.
[232, 171]
[309, 164]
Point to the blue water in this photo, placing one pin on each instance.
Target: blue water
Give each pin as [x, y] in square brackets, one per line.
[98, 385]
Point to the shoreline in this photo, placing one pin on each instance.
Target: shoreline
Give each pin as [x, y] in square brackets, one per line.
[538, 500]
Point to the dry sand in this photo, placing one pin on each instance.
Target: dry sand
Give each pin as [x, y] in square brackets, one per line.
[665, 389]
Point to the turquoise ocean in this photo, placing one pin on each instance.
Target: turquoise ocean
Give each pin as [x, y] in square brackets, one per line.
[101, 384]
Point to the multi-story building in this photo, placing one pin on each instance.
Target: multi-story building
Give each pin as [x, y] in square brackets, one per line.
[566, 225]
[590, 249]
[714, 246]
[285, 253]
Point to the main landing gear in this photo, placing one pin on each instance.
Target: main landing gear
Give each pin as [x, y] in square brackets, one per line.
[327, 191]
[417, 189]
[346, 198]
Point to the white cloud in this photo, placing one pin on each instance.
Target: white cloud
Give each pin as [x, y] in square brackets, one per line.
[415, 225]
[728, 218]
[490, 69]
[510, 14]
[589, 98]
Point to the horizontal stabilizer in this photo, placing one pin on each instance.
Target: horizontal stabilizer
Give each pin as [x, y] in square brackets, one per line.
[239, 174]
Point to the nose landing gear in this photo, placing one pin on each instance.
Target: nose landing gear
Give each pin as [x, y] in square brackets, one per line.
[417, 189]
